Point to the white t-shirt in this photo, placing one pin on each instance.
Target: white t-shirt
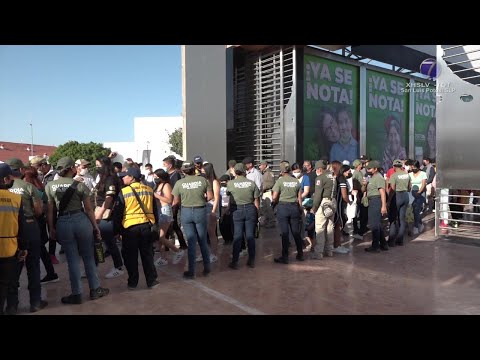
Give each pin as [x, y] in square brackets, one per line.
[417, 181]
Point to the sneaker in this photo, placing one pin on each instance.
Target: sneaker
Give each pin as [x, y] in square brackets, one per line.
[357, 236]
[131, 287]
[329, 254]
[114, 273]
[213, 258]
[199, 258]
[280, 260]
[421, 228]
[161, 261]
[300, 257]
[178, 256]
[54, 260]
[317, 256]
[50, 279]
[251, 263]
[72, 299]
[233, 265]
[206, 272]
[243, 253]
[415, 231]
[98, 293]
[372, 250]
[341, 250]
[38, 307]
[154, 284]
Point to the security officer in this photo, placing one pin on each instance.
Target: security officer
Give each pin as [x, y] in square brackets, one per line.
[74, 226]
[134, 224]
[244, 206]
[32, 208]
[13, 245]
[192, 192]
[362, 211]
[268, 182]
[377, 205]
[400, 187]
[323, 192]
[286, 193]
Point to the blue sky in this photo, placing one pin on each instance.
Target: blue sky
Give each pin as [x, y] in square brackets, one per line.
[85, 93]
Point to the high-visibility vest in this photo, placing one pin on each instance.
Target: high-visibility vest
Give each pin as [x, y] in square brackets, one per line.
[133, 214]
[9, 207]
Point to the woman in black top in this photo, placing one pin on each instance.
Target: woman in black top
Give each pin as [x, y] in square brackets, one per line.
[106, 192]
[343, 173]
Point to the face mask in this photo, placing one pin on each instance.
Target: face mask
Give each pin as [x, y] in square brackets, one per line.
[349, 176]
[83, 172]
[407, 168]
[415, 170]
[165, 169]
[304, 169]
[157, 181]
[297, 175]
[100, 170]
[369, 173]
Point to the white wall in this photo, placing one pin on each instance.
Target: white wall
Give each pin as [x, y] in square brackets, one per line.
[154, 130]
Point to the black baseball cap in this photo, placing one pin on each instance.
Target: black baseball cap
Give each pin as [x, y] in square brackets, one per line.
[131, 171]
[197, 159]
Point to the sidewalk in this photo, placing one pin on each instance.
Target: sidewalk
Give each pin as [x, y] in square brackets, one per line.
[423, 277]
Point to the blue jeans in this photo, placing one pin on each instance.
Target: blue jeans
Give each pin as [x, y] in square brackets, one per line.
[75, 233]
[106, 229]
[32, 262]
[245, 219]
[288, 216]
[375, 221]
[402, 204]
[417, 208]
[194, 221]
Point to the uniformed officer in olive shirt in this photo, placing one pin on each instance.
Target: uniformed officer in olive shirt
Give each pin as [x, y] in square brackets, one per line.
[377, 206]
[190, 193]
[287, 194]
[401, 185]
[244, 206]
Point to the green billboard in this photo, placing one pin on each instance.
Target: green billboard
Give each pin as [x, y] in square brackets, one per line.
[331, 98]
[425, 124]
[387, 114]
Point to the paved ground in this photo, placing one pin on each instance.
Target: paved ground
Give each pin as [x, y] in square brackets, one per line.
[426, 276]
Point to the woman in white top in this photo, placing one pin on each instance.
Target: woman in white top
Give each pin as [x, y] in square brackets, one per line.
[164, 198]
[419, 184]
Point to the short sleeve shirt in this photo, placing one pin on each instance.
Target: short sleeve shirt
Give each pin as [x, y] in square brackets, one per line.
[191, 190]
[29, 195]
[400, 180]
[57, 188]
[288, 188]
[375, 183]
[242, 191]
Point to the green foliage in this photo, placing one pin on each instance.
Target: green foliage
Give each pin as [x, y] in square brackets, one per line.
[88, 151]
[176, 141]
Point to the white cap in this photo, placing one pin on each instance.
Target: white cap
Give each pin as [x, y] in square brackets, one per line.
[346, 162]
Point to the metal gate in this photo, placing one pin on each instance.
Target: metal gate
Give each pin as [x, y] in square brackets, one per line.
[263, 87]
[458, 106]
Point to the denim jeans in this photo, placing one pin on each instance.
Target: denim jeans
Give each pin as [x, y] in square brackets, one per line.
[402, 204]
[245, 218]
[194, 222]
[375, 221]
[288, 216]
[106, 228]
[417, 208]
[75, 234]
[32, 262]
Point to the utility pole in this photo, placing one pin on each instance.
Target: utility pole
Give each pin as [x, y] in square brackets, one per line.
[31, 132]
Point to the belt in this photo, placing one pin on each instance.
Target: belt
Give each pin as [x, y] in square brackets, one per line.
[70, 212]
[194, 207]
[328, 198]
[401, 191]
[244, 205]
[287, 203]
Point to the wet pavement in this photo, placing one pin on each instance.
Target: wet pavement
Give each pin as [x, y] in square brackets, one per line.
[426, 276]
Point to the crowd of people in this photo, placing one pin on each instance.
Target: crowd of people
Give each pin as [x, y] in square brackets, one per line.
[144, 213]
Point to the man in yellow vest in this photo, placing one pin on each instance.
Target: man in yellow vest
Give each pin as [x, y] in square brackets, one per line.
[12, 244]
[132, 219]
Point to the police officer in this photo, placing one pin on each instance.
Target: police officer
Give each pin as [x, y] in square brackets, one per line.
[400, 187]
[133, 221]
[286, 193]
[74, 226]
[377, 205]
[32, 208]
[268, 181]
[192, 192]
[244, 206]
[323, 193]
[13, 245]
